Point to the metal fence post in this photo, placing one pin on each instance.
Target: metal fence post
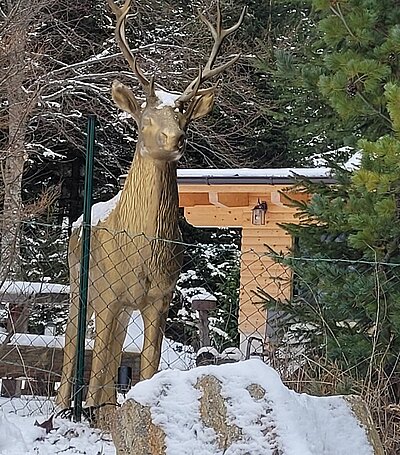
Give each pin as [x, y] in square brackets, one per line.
[84, 269]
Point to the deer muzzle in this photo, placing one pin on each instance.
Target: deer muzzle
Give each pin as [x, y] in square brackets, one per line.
[172, 142]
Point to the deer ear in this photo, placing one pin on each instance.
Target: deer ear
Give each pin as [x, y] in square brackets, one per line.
[203, 105]
[125, 99]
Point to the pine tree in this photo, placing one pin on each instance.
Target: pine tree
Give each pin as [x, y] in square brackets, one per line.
[292, 63]
[346, 263]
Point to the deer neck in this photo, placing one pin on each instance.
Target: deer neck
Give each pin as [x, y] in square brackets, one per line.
[149, 200]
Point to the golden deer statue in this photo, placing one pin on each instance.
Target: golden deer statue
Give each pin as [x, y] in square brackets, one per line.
[134, 260]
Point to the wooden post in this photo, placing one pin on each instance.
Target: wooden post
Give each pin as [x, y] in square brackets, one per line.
[204, 332]
[10, 388]
[203, 304]
[18, 315]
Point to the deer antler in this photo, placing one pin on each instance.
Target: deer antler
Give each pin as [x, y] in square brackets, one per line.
[121, 14]
[219, 34]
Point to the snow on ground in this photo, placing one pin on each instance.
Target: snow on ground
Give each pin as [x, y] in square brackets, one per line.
[20, 436]
[173, 354]
[298, 424]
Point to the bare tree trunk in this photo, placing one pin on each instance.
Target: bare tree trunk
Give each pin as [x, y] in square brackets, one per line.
[13, 160]
[12, 170]
[14, 157]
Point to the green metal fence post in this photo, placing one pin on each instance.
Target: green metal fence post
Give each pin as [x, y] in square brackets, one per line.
[84, 270]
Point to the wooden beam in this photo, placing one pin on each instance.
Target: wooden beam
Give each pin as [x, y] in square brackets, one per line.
[217, 199]
[264, 232]
[276, 199]
[214, 199]
[234, 199]
[221, 199]
[214, 217]
[193, 199]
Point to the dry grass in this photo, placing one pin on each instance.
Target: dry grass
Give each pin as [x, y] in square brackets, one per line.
[381, 392]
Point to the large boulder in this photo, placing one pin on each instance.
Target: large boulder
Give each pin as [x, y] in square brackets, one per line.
[238, 409]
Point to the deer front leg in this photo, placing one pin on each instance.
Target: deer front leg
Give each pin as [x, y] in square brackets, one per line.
[154, 318]
[101, 378]
[119, 329]
[63, 399]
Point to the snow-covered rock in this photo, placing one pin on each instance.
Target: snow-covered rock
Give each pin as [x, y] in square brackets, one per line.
[238, 409]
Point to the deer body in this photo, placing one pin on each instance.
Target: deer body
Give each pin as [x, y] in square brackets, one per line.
[131, 269]
[135, 258]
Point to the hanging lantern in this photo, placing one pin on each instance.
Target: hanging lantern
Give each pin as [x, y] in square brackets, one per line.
[258, 213]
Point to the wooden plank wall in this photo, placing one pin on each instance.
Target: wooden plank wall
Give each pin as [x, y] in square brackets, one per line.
[41, 366]
[258, 270]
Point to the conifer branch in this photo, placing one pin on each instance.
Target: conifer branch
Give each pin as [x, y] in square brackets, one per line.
[339, 14]
[374, 109]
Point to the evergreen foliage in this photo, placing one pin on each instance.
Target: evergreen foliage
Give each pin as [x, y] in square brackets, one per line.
[211, 266]
[291, 62]
[346, 260]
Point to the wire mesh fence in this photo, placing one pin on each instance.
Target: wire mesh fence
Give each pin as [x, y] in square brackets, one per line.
[160, 304]
[198, 295]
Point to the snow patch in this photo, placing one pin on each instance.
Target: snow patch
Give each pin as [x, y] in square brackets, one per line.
[173, 354]
[166, 98]
[301, 424]
[20, 436]
[354, 162]
[100, 211]
[203, 296]
[339, 155]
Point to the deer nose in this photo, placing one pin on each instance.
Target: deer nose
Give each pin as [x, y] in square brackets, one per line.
[171, 140]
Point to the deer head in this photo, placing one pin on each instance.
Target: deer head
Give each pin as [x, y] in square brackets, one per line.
[163, 119]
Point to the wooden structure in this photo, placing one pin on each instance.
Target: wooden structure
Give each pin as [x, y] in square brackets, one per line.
[203, 304]
[41, 368]
[31, 364]
[225, 198]
[21, 296]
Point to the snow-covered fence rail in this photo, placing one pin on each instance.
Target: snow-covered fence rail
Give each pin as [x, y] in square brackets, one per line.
[17, 298]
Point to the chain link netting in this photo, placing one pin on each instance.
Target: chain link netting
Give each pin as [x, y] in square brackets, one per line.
[200, 303]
